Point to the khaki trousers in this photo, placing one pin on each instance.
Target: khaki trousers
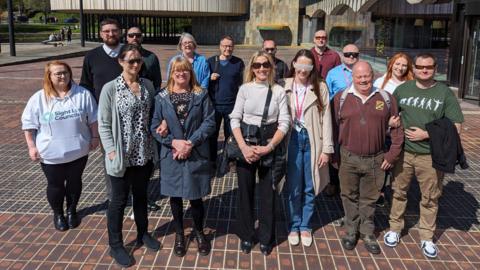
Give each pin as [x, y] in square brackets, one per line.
[430, 182]
[361, 180]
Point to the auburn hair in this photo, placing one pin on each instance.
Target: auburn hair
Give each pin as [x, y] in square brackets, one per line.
[408, 74]
[180, 63]
[47, 81]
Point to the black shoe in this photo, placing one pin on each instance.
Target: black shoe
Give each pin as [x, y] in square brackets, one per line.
[72, 219]
[266, 249]
[60, 222]
[150, 242]
[179, 246]
[349, 241]
[203, 244]
[152, 206]
[246, 246]
[381, 201]
[371, 244]
[121, 256]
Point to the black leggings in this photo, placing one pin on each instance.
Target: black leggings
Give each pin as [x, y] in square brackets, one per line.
[176, 204]
[64, 180]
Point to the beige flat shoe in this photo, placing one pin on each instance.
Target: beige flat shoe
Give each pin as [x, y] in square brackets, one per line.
[293, 238]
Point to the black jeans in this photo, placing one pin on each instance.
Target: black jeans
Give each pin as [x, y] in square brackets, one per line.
[246, 201]
[64, 181]
[176, 205]
[220, 114]
[136, 179]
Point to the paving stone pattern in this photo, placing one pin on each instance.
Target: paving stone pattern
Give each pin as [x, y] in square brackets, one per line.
[29, 241]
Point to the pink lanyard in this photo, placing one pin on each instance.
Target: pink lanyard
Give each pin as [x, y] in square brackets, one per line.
[298, 108]
[347, 80]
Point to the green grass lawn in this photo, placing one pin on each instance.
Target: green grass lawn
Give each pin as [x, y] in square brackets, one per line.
[33, 32]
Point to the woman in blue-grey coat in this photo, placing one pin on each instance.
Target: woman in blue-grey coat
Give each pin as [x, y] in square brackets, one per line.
[184, 150]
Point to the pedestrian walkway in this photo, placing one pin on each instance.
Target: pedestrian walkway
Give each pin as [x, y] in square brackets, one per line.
[29, 241]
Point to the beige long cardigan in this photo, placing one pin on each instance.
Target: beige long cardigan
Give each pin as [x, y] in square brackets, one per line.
[319, 129]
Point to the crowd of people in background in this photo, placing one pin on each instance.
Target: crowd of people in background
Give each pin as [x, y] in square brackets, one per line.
[318, 124]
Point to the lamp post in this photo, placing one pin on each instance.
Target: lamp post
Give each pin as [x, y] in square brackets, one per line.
[82, 26]
[11, 34]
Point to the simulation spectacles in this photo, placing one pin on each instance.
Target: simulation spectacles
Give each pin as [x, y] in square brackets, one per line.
[61, 74]
[134, 61]
[351, 54]
[257, 65]
[132, 35]
[307, 68]
[429, 67]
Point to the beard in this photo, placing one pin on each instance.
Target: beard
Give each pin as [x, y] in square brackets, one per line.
[112, 42]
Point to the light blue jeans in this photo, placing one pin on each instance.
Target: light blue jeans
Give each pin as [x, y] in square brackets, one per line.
[301, 193]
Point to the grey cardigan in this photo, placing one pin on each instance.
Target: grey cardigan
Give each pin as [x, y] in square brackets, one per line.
[109, 127]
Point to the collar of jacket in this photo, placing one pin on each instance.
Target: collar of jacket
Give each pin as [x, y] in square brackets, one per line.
[310, 98]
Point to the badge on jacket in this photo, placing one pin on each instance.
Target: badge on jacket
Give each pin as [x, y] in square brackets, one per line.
[379, 105]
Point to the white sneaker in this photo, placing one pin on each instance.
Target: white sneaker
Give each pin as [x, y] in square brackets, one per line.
[293, 238]
[429, 249]
[391, 239]
[306, 239]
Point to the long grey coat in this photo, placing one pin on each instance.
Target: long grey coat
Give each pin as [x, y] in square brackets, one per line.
[190, 178]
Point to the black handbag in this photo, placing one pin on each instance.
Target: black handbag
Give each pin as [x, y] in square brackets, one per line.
[252, 134]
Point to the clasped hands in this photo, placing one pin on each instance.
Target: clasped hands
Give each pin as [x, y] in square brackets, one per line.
[181, 149]
[253, 153]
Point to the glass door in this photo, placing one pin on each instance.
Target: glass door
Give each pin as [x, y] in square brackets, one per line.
[472, 77]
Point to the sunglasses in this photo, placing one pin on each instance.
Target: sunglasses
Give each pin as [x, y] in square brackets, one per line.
[321, 37]
[429, 67]
[134, 61]
[257, 65]
[270, 49]
[350, 54]
[132, 35]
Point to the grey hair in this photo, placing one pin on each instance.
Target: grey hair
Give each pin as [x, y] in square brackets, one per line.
[186, 35]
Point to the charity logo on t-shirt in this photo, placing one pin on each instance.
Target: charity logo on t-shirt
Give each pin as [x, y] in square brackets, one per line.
[431, 104]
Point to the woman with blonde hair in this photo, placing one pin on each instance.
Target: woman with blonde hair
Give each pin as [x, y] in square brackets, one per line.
[260, 104]
[184, 150]
[310, 144]
[60, 124]
[399, 70]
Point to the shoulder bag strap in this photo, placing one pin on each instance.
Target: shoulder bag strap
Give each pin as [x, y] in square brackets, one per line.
[267, 105]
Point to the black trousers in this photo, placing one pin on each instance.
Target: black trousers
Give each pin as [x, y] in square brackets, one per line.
[136, 179]
[176, 205]
[221, 114]
[246, 201]
[64, 181]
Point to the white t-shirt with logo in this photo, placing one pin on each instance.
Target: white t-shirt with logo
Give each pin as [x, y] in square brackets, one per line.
[62, 124]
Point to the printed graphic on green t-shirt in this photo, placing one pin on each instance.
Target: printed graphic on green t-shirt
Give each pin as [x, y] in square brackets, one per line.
[421, 106]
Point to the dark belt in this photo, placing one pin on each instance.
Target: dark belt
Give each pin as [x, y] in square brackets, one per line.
[345, 151]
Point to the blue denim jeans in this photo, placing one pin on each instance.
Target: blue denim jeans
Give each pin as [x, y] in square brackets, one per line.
[301, 193]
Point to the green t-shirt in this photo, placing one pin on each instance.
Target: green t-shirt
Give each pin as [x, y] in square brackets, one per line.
[421, 106]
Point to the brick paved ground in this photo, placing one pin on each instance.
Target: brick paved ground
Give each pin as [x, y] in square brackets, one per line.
[29, 241]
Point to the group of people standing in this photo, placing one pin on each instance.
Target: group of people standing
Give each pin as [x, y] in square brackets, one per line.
[340, 131]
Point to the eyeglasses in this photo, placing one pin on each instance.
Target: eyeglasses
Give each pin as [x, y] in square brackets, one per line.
[133, 61]
[420, 67]
[61, 74]
[351, 54]
[132, 35]
[270, 49]
[110, 31]
[226, 46]
[257, 65]
[321, 37]
[179, 72]
[187, 43]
